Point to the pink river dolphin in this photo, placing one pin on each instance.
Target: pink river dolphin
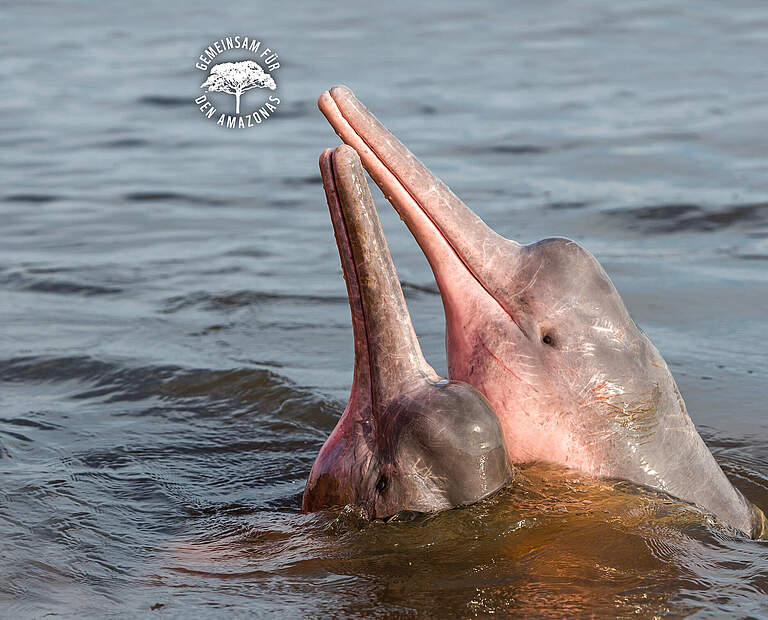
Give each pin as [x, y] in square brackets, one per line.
[408, 440]
[541, 331]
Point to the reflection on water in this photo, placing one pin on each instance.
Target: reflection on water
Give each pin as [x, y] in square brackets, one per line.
[175, 343]
[553, 544]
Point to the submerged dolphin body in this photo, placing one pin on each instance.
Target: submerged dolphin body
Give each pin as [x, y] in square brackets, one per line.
[542, 332]
[408, 439]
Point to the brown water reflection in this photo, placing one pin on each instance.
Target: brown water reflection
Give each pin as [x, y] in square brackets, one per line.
[555, 544]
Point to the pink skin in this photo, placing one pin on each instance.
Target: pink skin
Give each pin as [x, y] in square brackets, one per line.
[407, 440]
[541, 331]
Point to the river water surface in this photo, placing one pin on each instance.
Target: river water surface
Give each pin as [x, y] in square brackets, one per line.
[175, 340]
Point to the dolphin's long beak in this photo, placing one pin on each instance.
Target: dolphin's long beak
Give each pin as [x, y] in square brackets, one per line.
[457, 243]
[387, 353]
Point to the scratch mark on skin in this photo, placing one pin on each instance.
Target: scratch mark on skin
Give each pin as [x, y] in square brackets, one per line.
[568, 368]
[531, 282]
[602, 329]
[507, 368]
[525, 411]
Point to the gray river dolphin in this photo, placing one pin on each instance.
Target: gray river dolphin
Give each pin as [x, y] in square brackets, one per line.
[542, 332]
[408, 440]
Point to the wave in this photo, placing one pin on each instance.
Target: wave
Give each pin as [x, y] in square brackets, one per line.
[27, 282]
[681, 218]
[199, 391]
[239, 299]
[31, 198]
[165, 196]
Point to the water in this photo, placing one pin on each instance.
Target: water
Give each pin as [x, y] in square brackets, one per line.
[175, 342]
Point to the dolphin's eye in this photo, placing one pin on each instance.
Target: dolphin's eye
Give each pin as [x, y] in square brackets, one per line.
[381, 484]
[547, 339]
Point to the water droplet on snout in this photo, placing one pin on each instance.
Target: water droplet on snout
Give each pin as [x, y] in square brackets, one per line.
[442, 383]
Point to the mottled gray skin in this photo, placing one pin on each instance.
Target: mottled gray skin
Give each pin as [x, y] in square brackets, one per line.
[542, 332]
[408, 439]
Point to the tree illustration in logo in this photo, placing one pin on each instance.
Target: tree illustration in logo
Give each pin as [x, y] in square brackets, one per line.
[235, 78]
